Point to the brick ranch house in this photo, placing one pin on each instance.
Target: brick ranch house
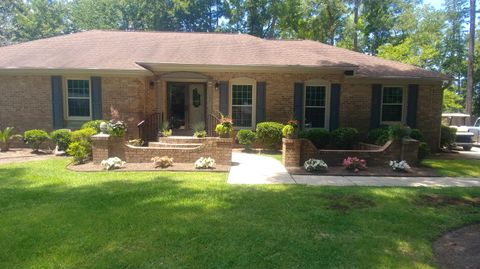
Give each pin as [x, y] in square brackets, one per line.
[187, 78]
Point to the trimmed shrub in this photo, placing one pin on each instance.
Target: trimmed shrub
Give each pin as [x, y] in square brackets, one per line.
[398, 131]
[246, 138]
[319, 137]
[270, 134]
[423, 151]
[93, 124]
[378, 136]
[344, 138]
[417, 135]
[62, 138]
[83, 135]
[448, 136]
[80, 151]
[35, 138]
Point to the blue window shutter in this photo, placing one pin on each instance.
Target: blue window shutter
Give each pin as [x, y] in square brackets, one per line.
[57, 102]
[261, 102]
[334, 106]
[376, 104]
[223, 97]
[96, 98]
[298, 102]
[412, 105]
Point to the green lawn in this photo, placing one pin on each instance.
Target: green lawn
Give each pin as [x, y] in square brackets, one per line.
[54, 218]
[455, 168]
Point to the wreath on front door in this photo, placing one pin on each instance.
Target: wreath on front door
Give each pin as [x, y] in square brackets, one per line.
[196, 98]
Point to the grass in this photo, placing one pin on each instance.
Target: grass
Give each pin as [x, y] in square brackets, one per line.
[455, 168]
[54, 218]
[276, 156]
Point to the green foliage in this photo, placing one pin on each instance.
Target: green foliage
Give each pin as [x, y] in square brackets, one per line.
[423, 151]
[447, 136]
[452, 102]
[35, 138]
[199, 129]
[417, 135]
[80, 151]
[378, 136]
[93, 124]
[270, 134]
[200, 134]
[344, 138]
[319, 137]
[246, 138]
[288, 131]
[136, 142]
[83, 135]
[398, 131]
[62, 138]
[117, 128]
[223, 130]
[6, 136]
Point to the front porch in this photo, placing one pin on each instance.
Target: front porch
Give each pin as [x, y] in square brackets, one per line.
[183, 103]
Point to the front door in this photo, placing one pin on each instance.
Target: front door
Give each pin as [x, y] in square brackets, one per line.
[177, 107]
[197, 105]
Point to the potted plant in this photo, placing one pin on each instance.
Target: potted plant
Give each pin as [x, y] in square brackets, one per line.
[225, 127]
[165, 131]
[6, 137]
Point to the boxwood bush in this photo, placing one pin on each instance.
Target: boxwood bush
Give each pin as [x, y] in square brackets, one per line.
[270, 134]
[62, 138]
[344, 138]
[319, 137]
[448, 136]
[34, 138]
[246, 138]
[378, 136]
[93, 124]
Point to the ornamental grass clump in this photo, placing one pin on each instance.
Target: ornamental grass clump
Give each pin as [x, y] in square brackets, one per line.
[162, 162]
[400, 166]
[315, 165]
[112, 163]
[204, 163]
[354, 164]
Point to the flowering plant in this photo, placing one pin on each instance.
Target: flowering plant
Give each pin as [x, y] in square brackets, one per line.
[226, 121]
[400, 166]
[162, 162]
[204, 163]
[354, 164]
[315, 165]
[112, 163]
[293, 123]
[117, 127]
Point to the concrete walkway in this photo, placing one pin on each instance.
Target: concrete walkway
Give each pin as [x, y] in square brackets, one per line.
[257, 169]
[387, 181]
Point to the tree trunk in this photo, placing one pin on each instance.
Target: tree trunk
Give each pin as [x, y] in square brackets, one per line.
[471, 48]
[355, 22]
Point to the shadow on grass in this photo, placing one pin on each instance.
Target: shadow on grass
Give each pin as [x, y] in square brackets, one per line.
[56, 218]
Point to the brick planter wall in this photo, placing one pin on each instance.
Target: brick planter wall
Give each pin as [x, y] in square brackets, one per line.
[297, 151]
[220, 149]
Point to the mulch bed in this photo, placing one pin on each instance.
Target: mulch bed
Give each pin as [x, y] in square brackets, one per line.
[459, 248]
[16, 155]
[371, 171]
[178, 167]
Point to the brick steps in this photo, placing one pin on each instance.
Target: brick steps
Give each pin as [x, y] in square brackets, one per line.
[180, 140]
[174, 145]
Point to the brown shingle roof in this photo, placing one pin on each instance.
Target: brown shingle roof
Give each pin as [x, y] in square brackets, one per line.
[115, 50]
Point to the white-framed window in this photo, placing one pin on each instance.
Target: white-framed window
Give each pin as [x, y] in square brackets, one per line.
[317, 105]
[242, 102]
[78, 99]
[393, 104]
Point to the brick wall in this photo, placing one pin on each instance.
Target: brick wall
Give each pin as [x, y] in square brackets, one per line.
[128, 96]
[220, 149]
[297, 151]
[26, 102]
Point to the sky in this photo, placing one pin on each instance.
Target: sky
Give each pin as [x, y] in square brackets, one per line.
[436, 3]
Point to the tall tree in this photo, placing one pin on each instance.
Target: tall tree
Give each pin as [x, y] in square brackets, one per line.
[471, 53]
[8, 10]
